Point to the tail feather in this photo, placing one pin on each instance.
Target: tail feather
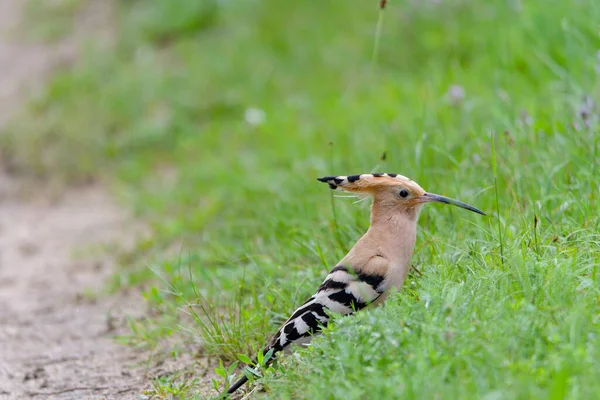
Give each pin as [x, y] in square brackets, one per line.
[238, 384]
[344, 291]
[310, 317]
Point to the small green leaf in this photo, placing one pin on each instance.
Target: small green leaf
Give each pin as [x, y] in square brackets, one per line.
[244, 358]
[251, 371]
[268, 355]
[232, 368]
[221, 372]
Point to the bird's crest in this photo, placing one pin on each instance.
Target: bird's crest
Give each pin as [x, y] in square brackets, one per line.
[364, 182]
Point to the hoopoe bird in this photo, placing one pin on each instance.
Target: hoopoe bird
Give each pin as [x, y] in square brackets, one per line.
[378, 263]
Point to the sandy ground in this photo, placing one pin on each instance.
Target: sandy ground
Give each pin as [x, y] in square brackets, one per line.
[56, 342]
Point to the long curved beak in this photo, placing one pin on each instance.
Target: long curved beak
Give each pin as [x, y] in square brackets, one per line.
[430, 197]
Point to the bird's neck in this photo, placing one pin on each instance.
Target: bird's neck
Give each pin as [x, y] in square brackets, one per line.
[392, 235]
[394, 229]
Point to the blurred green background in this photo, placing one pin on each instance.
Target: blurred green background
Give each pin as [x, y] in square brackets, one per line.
[212, 120]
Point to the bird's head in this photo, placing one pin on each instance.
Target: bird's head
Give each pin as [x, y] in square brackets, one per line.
[392, 191]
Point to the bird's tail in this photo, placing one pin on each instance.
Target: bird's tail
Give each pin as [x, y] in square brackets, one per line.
[238, 384]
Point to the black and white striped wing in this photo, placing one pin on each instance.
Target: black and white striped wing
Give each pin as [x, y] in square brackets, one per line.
[344, 291]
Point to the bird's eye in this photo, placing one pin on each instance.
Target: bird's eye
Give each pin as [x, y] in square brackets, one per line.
[404, 193]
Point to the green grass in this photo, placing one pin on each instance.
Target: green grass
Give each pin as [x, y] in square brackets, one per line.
[50, 20]
[481, 101]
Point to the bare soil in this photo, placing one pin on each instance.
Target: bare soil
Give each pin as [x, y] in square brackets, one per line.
[57, 341]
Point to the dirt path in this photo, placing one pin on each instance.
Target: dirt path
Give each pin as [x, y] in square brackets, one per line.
[53, 338]
[55, 342]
